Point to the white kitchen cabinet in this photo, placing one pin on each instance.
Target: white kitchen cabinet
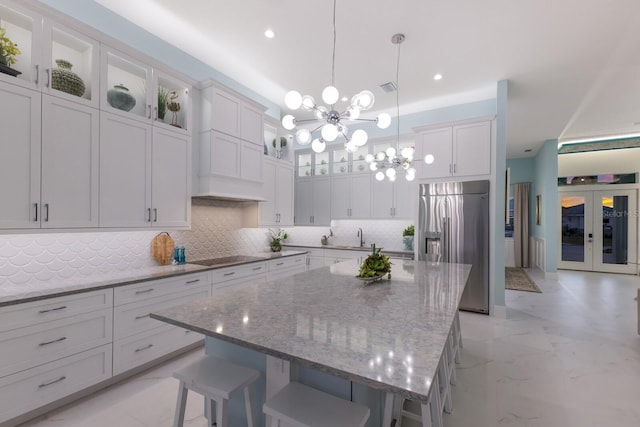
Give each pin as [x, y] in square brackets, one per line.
[460, 150]
[278, 142]
[277, 209]
[70, 137]
[20, 121]
[280, 268]
[313, 201]
[334, 256]
[315, 258]
[393, 199]
[351, 196]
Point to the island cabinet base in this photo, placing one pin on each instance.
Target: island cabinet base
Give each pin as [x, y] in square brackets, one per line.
[273, 373]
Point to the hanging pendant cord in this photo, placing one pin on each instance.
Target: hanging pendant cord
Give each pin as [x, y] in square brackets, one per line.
[398, 97]
[333, 57]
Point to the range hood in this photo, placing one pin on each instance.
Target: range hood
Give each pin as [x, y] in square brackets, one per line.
[229, 197]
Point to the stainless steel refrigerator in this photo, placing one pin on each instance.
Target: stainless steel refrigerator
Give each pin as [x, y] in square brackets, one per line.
[454, 227]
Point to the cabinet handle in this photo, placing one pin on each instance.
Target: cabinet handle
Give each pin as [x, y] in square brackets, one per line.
[145, 291]
[48, 77]
[42, 344]
[142, 317]
[155, 215]
[229, 274]
[454, 168]
[148, 214]
[62, 307]
[192, 281]
[299, 259]
[46, 218]
[450, 168]
[52, 382]
[257, 268]
[35, 205]
[280, 263]
[149, 109]
[146, 347]
[155, 113]
[391, 211]
[37, 74]
[186, 331]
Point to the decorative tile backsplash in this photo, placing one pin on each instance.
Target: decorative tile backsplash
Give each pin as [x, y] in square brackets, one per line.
[218, 229]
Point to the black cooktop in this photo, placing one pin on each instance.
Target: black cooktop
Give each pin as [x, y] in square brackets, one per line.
[234, 259]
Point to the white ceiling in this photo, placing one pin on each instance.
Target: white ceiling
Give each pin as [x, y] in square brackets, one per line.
[573, 65]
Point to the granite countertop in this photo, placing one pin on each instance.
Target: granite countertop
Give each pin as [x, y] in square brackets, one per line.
[392, 253]
[40, 289]
[389, 334]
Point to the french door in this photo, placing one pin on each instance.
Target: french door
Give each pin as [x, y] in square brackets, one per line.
[598, 230]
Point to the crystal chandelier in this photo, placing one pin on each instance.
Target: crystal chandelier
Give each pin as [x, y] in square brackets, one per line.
[390, 161]
[331, 119]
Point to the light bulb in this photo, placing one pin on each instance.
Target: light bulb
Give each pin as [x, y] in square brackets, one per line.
[392, 178]
[329, 132]
[364, 100]
[288, 122]
[407, 153]
[390, 152]
[330, 95]
[318, 145]
[369, 158]
[373, 166]
[359, 137]
[303, 136]
[308, 103]
[381, 156]
[383, 121]
[379, 176]
[354, 113]
[293, 99]
[321, 112]
[410, 176]
[411, 171]
[428, 159]
[350, 146]
[391, 172]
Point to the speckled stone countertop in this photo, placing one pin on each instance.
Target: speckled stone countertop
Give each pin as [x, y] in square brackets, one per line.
[40, 289]
[388, 335]
[390, 253]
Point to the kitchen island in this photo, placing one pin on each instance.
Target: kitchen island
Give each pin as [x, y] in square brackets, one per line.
[387, 336]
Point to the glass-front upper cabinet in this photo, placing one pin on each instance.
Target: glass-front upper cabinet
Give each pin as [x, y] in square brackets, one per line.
[22, 30]
[125, 86]
[345, 162]
[309, 163]
[277, 142]
[172, 106]
[70, 64]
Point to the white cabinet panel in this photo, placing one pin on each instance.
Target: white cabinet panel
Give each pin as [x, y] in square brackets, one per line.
[436, 143]
[251, 162]
[268, 209]
[304, 201]
[472, 149]
[340, 197]
[351, 196]
[171, 179]
[225, 113]
[225, 155]
[30, 389]
[321, 194]
[251, 129]
[125, 172]
[406, 197]
[284, 186]
[70, 157]
[382, 196]
[20, 159]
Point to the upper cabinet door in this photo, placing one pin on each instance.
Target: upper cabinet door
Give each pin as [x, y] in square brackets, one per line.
[472, 145]
[251, 121]
[24, 28]
[225, 112]
[284, 185]
[71, 64]
[20, 157]
[437, 144]
[172, 106]
[125, 86]
[70, 133]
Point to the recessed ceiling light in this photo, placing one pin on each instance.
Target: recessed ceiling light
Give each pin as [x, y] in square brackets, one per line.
[269, 34]
[437, 77]
[344, 99]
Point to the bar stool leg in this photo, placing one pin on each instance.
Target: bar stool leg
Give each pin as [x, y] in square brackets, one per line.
[181, 405]
[248, 398]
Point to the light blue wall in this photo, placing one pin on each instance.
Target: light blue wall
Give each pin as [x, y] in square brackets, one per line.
[102, 19]
[497, 232]
[523, 170]
[546, 184]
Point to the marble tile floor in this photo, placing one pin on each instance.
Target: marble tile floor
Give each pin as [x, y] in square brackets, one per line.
[567, 357]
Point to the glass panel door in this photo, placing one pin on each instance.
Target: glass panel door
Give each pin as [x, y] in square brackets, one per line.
[575, 246]
[615, 231]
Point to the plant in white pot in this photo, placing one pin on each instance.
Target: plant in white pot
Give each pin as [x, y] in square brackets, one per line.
[407, 237]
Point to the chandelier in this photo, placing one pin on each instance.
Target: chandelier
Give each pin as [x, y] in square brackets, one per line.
[331, 118]
[390, 161]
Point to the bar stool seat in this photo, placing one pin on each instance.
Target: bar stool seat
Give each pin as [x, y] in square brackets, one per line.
[299, 405]
[216, 380]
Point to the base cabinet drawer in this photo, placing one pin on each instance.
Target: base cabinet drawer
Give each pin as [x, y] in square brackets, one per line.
[281, 274]
[139, 349]
[155, 288]
[25, 348]
[28, 390]
[130, 319]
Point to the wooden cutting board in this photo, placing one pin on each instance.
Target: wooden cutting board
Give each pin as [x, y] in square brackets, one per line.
[162, 248]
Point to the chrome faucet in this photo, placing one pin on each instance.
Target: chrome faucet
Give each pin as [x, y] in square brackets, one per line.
[361, 236]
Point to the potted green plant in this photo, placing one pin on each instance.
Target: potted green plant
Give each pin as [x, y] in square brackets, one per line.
[283, 142]
[407, 237]
[375, 266]
[8, 53]
[276, 238]
[163, 97]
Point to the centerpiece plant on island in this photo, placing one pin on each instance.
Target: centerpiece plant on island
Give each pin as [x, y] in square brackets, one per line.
[276, 238]
[375, 265]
